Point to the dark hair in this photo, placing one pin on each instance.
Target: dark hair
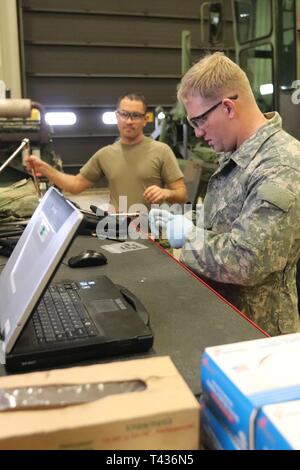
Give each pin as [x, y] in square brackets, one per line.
[133, 97]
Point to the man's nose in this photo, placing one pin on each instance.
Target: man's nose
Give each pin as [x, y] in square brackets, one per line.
[199, 132]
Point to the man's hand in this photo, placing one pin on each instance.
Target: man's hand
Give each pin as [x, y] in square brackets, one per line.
[154, 194]
[34, 163]
[177, 227]
[74, 184]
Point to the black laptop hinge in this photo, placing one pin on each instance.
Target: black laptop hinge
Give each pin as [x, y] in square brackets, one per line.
[136, 304]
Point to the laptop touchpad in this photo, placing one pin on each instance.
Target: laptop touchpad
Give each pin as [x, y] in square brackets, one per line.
[101, 306]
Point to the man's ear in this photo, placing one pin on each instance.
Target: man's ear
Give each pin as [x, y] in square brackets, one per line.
[146, 119]
[229, 107]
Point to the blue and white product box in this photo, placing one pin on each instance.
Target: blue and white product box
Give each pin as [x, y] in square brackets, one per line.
[238, 379]
[213, 435]
[278, 427]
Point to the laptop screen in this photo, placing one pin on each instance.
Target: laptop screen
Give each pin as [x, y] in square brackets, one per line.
[33, 261]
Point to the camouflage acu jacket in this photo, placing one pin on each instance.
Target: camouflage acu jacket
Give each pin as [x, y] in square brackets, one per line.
[250, 243]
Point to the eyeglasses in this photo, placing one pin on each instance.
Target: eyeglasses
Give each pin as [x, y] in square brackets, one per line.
[124, 115]
[200, 120]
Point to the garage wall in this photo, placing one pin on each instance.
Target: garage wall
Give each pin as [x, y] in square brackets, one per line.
[80, 55]
[9, 48]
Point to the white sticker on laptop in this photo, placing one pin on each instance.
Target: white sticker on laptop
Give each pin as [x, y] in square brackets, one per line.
[43, 230]
[124, 247]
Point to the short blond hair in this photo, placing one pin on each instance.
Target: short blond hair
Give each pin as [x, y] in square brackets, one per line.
[214, 77]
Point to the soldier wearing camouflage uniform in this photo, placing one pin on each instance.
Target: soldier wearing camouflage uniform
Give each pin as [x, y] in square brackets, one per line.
[250, 241]
[252, 229]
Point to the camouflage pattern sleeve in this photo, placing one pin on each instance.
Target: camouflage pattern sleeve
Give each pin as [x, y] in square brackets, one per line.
[259, 241]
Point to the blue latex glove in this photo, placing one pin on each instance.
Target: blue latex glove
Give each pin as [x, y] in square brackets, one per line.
[158, 219]
[177, 227]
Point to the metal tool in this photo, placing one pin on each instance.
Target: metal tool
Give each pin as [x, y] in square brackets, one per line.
[124, 214]
[24, 143]
[96, 210]
[36, 184]
[35, 180]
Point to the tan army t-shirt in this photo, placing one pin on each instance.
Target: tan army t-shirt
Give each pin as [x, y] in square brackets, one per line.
[130, 169]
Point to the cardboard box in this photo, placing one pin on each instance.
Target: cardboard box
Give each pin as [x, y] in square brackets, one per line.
[163, 416]
[278, 426]
[238, 379]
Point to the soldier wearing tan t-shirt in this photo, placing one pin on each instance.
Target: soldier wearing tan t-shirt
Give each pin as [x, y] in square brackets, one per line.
[143, 170]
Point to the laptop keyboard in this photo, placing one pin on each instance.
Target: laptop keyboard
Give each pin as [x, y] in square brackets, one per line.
[61, 316]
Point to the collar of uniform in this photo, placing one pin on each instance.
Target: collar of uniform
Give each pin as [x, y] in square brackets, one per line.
[247, 151]
[129, 146]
